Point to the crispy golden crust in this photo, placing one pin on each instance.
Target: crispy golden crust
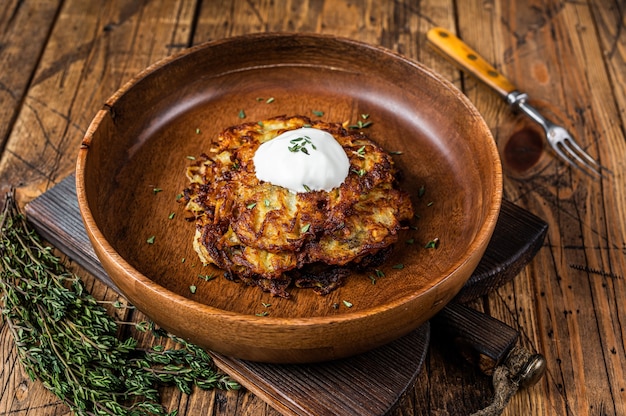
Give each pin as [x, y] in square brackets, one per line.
[257, 231]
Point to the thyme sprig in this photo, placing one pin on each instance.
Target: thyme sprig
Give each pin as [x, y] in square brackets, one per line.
[66, 339]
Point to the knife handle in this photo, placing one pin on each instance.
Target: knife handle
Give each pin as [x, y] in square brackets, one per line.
[481, 339]
[461, 54]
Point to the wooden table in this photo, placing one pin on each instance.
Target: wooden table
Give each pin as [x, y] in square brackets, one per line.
[61, 60]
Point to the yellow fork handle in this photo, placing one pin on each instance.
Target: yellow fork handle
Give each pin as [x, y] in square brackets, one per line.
[454, 48]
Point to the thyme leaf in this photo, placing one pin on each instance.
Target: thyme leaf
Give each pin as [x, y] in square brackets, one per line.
[299, 145]
[65, 338]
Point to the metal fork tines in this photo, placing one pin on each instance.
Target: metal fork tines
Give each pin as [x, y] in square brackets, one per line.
[559, 139]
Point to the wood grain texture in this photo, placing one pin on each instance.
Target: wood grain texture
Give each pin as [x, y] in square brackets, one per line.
[569, 56]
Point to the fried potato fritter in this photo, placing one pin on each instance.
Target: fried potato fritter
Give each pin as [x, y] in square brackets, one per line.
[266, 235]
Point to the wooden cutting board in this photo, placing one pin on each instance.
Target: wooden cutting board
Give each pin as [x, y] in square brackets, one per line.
[338, 387]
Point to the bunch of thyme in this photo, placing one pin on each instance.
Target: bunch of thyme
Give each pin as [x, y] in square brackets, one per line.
[66, 339]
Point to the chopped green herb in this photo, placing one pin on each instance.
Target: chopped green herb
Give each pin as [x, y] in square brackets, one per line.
[372, 278]
[206, 277]
[270, 100]
[365, 116]
[192, 288]
[379, 273]
[242, 114]
[360, 125]
[264, 313]
[300, 143]
[171, 216]
[318, 113]
[347, 304]
[252, 205]
[398, 266]
[306, 187]
[150, 240]
[156, 190]
[434, 243]
[267, 202]
[267, 305]
[430, 204]
[410, 241]
[179, 197]
[361, 151]
[191, 157]
[260, 99]
[305, 228]
[360, 172]
[197, 131]
[182, 260]
[335, 305]
[395, 152]
[421, 191]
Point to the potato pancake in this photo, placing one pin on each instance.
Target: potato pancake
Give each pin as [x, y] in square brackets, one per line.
[264, 234]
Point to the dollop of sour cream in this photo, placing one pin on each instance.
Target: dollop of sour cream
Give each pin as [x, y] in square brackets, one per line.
[302, 160]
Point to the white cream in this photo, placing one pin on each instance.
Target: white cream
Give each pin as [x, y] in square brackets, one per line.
[323, 165]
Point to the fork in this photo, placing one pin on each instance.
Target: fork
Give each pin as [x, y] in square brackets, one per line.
[561, 142]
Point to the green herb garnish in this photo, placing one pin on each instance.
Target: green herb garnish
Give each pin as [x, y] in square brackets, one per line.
[150, 240]
[299, 145]
[65, 338]
[347, 304]
[434, 243]
[360, 125]
[359, 172]
[206, 277]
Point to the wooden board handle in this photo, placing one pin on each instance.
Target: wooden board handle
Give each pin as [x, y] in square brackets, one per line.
[454, 48]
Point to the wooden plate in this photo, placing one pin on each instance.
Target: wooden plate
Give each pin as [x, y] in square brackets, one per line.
[131, 168]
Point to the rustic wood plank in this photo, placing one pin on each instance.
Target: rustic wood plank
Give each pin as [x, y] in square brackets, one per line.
[608, 19]
[24, 29]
